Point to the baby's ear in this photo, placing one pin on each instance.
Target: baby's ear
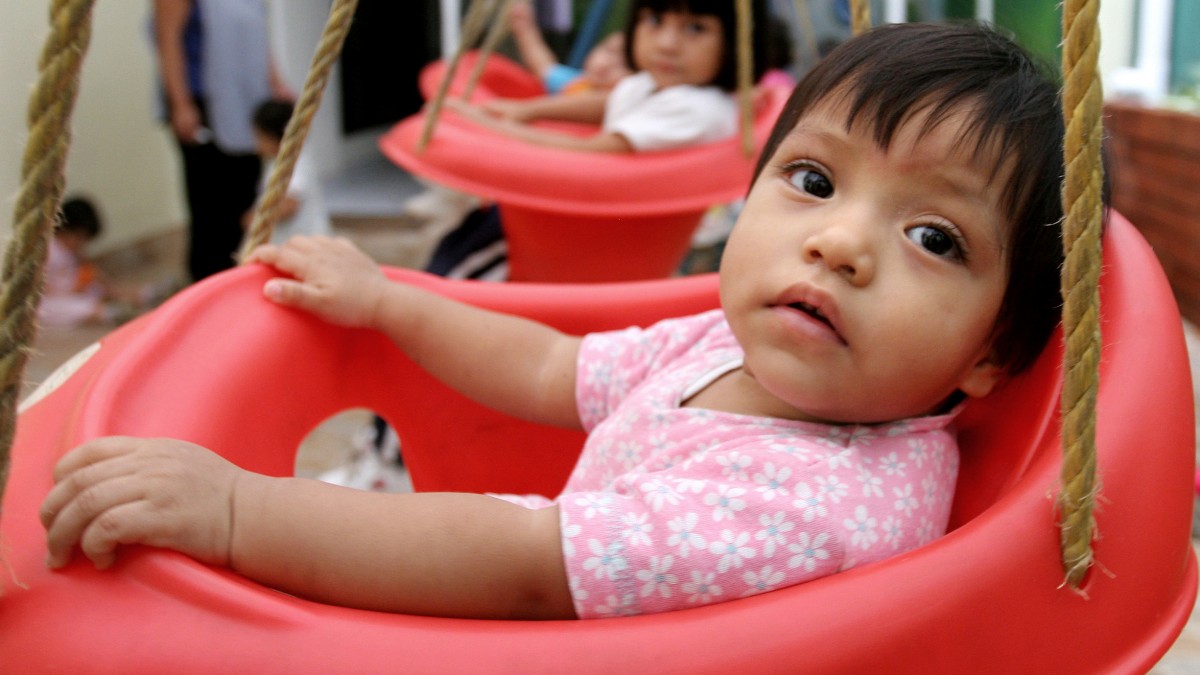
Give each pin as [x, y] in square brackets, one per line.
[982, 377]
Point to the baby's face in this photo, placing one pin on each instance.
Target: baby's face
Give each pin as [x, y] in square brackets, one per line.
[864, 284]
[605, 65]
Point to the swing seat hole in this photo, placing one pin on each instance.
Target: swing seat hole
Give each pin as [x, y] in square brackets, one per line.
[355, 448]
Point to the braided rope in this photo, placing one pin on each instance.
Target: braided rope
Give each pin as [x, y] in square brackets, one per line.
[804, 16]
[498, 30]
[337, 26]
[1083, 209]
[473, 25]
[745, 72]
[860, 16]
[42, 184]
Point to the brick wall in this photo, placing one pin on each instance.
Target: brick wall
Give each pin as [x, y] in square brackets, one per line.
[1155, 165]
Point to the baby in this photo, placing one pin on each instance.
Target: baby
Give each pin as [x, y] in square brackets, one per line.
[898, 253]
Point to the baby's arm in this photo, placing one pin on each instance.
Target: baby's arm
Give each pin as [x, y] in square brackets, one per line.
[603, 141]
[520, 367]
[438, 553]
[585, 107]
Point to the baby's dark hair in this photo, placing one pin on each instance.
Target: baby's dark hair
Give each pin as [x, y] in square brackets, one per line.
[725, 11]
[271, 118]
[80, 216]
[891, 73]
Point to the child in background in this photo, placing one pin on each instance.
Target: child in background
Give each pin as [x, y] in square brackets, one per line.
[708, 241]
[898, 253]
[76, 292]
[680, 95]
[602, 69]
[586, 90]
[302, 210]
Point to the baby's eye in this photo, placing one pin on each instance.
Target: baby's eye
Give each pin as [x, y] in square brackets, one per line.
[936, 240]
[811, 181]
[696, 27]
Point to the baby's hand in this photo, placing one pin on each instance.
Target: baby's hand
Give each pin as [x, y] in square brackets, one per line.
[507, 109]
[479, 115]
[332, 279]
[158, 492]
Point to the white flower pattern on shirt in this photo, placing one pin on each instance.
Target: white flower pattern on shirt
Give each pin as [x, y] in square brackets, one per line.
[671, 506]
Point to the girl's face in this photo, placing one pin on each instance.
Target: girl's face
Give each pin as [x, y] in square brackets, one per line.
[605, 65]
[864, 284]
[678, 47]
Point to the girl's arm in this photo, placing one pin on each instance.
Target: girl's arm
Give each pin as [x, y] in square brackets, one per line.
[600, 142]
[514, 365]
[585, 107]
[170, 21]
[441, 554]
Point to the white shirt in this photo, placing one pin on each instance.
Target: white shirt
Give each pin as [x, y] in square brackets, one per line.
[668, 118]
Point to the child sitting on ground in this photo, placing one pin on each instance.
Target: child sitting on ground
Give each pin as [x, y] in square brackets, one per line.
[302, 210]
[898, 253]
[76, 291]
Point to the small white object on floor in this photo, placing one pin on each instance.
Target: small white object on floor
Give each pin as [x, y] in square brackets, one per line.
[370, 469]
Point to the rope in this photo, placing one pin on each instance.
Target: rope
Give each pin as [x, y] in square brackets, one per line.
[42, 167]
[860, 16]
[812, 51]
[1083, 209]
[473, 25]
[496, 33]
[265, 216]
[745, 32]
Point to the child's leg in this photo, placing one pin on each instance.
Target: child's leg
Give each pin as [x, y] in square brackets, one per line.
[535, 53]
[473, 250]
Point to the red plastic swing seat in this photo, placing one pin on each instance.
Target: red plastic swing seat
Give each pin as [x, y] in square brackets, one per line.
[220, 366]
[573, 216]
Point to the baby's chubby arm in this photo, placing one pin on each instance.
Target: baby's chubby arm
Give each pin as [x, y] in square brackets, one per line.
[520, 367]
[437, 553]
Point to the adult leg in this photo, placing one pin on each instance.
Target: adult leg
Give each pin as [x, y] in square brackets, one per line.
[220, 189]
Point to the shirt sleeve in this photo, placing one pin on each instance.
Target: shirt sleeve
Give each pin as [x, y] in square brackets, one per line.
[677, 117]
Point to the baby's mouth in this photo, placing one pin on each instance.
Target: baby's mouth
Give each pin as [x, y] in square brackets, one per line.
[814, 312]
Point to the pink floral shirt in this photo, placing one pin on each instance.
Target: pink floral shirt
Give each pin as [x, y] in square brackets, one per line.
[672, 507]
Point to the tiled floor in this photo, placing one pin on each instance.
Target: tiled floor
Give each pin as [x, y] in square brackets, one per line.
[404, 243]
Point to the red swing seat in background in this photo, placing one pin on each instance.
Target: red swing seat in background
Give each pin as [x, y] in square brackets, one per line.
[573, 216]
[220, 366]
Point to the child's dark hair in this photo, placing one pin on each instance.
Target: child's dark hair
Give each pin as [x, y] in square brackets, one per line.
[271, 118]
[725, 11]
[893, 72]
[79, 215]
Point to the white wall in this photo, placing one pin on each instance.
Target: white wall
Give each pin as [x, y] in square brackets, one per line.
[1117, 21]
[119, 153]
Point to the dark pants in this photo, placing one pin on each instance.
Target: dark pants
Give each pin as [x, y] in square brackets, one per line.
[220, 188]
[469, 251]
